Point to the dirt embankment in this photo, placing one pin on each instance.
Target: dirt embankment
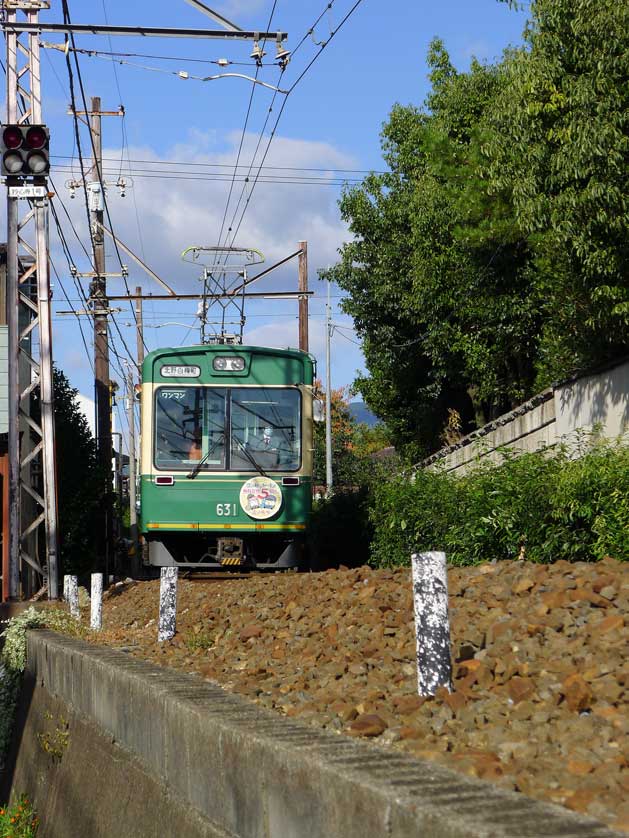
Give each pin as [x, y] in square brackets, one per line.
[541, 667]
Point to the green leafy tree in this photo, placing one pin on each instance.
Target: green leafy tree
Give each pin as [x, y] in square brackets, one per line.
[492, 257]
[80, 480]
[343, 429]
[438, 274]
[560, 145]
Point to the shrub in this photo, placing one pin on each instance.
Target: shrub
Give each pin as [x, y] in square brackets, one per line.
[19, 820]
[340, 531]
[13, 662]
[542, 506]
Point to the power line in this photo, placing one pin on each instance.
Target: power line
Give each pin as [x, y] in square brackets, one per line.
[242, 137]
[66, 15]
[78, 318]
[184, 163]
[286, 98]
[221, 62]
[221, 178]
[118, 88]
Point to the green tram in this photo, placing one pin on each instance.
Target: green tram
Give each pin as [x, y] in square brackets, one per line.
[226, 456]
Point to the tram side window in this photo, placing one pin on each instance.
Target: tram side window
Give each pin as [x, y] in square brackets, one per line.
[265, 429]
[189, 426]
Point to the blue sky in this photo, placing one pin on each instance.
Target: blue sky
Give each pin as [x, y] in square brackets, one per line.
[331, 121]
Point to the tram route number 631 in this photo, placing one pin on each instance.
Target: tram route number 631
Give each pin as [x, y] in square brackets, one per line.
[226, 509]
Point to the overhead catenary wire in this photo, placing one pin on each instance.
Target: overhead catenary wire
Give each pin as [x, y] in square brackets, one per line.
[223, 178]
[203, 165]
[66, 16]
[184, 75]
[260, 167]
[221, 62]
[76, 314]
[285, 100]
[242, 139]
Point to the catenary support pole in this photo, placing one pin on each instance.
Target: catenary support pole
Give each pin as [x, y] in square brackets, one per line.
[15, 492]
[47, 397]
[96, 602]
[303, 301]
[167, 604]
[432, 627]
[32, 489]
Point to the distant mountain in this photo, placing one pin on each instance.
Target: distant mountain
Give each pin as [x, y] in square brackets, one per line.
[361, 413]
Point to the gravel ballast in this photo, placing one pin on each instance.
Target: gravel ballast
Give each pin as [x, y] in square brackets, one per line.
[541, 674]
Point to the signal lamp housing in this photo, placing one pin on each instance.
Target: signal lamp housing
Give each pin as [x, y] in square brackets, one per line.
[25, 150]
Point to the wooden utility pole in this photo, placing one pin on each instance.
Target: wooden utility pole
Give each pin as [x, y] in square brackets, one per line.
[139, 326]
[303, 301]
[98, 291]
[100, 307]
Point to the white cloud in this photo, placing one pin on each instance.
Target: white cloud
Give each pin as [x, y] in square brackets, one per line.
[177, 213]
[233, 8]
[346, 356]
[479, 49]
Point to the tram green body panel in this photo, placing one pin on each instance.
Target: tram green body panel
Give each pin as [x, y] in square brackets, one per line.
[263, 366]
[209, 502]
[196, 502]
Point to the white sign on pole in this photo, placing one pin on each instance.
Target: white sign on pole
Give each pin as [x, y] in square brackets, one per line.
[29, 191]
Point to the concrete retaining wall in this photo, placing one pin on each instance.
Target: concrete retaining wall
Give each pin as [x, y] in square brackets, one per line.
[556, 415]
[137, 750]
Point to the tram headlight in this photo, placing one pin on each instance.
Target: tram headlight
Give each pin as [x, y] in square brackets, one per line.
[228, 363]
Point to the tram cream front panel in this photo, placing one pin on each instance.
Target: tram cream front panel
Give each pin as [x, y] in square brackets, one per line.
[148, 401]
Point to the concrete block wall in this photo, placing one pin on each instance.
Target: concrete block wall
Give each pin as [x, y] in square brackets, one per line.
[599, 401]
[151, 751]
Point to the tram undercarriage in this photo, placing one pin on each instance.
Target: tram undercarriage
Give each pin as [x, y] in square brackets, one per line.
[210, 551]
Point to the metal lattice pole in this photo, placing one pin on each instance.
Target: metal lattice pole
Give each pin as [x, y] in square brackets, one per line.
[32, 489]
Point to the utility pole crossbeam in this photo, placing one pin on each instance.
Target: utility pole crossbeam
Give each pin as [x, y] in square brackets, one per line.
[32, 476]
[35, 28]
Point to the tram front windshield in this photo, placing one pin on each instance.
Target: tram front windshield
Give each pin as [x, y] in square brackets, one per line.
[228, 429]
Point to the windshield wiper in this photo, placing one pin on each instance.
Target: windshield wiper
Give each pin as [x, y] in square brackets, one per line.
[251, 458]
[191, 475]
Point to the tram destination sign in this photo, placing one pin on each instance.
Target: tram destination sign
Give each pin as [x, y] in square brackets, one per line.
[180, 371]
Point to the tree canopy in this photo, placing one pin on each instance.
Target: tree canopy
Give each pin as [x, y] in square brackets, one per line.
[80, 480]
[491, 257]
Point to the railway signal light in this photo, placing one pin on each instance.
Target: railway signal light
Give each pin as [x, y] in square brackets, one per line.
[25, 150]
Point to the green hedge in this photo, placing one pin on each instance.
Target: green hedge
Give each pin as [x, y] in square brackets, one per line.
[541, 506]
[340, 532]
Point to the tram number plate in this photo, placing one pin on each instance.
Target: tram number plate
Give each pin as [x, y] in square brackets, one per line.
[224, 510]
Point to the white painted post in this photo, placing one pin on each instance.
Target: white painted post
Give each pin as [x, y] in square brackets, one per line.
[73, 596]
[432, 626]
[167, 603]
[96, 602]
[66, 580]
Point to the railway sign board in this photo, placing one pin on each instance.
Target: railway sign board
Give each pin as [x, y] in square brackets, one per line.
[28, 191]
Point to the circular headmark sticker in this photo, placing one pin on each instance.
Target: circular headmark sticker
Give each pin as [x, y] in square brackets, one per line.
[261, 498]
